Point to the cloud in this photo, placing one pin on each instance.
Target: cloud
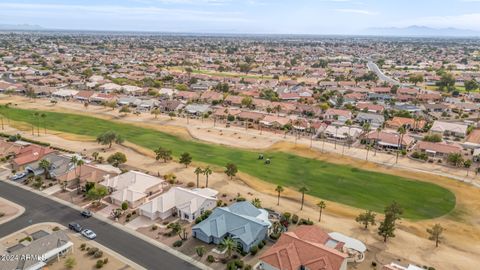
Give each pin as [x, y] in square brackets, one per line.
[356, 11]
[122, 12]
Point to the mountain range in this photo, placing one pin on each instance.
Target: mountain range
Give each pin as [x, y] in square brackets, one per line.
[421, 31]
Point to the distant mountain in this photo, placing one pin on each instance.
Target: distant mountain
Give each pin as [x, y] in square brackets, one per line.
[421, 31]
[20, 27]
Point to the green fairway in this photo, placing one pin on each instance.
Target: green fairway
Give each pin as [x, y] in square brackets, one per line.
[340, 183]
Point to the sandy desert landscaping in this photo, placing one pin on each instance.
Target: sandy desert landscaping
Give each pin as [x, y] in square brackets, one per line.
[462, 236]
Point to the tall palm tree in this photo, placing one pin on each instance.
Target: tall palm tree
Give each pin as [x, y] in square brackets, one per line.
[378, 137]
[303, 189]
[279, 189]
[401, 130]
[198, 171]
[207, 172]
[37, 117]
[349, 124]
[366, 130]
[336, 131]
[321, 205]
[79, 165]
[229, 245]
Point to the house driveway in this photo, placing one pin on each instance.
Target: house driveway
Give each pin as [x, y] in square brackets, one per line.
[140, 222]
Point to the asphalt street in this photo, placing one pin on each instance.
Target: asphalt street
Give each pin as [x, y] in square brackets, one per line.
[41, 209]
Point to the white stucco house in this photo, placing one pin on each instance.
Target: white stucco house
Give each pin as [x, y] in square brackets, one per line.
[187, 204]
[132, 187]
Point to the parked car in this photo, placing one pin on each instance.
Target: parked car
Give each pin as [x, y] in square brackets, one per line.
[86, 213]
[88, 234]
[18, 176]
[75, 227]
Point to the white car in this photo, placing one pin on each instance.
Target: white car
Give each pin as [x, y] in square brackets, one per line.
[89, 234]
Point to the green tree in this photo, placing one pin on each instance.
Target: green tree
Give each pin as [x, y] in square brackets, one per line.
[108, 138]
[415, 78]
[279, 189]
[231, 170]
[247, 102]
[447, 82]
[198, 171]
[200, 250]
[471, 85]
[45, 165]
[321, 206]
[435, 233]
[185, 159]
[124, 205]
[97, 193]
[455, 159]
[207, 172]
[467, 164]
[117, 159]
[229, 245]
[303, 189]
[125, 110]
[155, 112]
[70, 263]
[366, 218]
[387, 227]
[95, 155]
[395, 210]
[257, 202]
[163, 153]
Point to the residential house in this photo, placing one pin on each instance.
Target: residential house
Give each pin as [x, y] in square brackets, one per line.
[43, 249]
[440, 150]
[241, 221]
[447, 129]
[87, 173]
[375, 120]
[132, 187]
[341, 132]
[335, 115]
[409, 123]
[309, 247]
[389, 140]
[28, 155]
[184, 203]
[8, 149]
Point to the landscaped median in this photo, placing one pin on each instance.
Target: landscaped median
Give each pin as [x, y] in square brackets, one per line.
[339, 183]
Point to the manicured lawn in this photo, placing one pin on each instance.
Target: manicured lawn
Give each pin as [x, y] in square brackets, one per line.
[340, 183]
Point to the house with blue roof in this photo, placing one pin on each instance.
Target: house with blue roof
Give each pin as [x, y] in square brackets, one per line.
[241, 221]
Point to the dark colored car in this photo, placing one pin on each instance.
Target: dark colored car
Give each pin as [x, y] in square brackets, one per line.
[75, 227]
[86, 213]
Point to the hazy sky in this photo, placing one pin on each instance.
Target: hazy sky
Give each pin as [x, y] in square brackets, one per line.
[241, 16]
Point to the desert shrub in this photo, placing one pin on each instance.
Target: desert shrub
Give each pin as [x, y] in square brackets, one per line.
[190, 184]
[178, 243]
[286, 216]
[129, 215]
[295, 219]
[82, 246]
[248, 267]
[105, 261]
[253, 250]
[99, 264]
[92, 251]
[154, 227]
[210, 259]
[305, 222]
[56, 228]
[98, 254]
[274, 236]
[261, 245]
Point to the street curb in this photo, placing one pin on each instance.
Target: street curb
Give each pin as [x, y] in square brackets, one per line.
[118, 226]
[93, 243]
[20, 208]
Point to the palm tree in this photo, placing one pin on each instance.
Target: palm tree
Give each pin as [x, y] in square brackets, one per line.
[229, 245]
[45, 165]
[198, 171]
[321, 205]
[207, 172]
[401, 130]
[336, 131]
[349, 124]
[278, 189]
[79, 165]
[378, 137]
[303, 189]
[95, 155]
[366, 129]
[37, 117]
